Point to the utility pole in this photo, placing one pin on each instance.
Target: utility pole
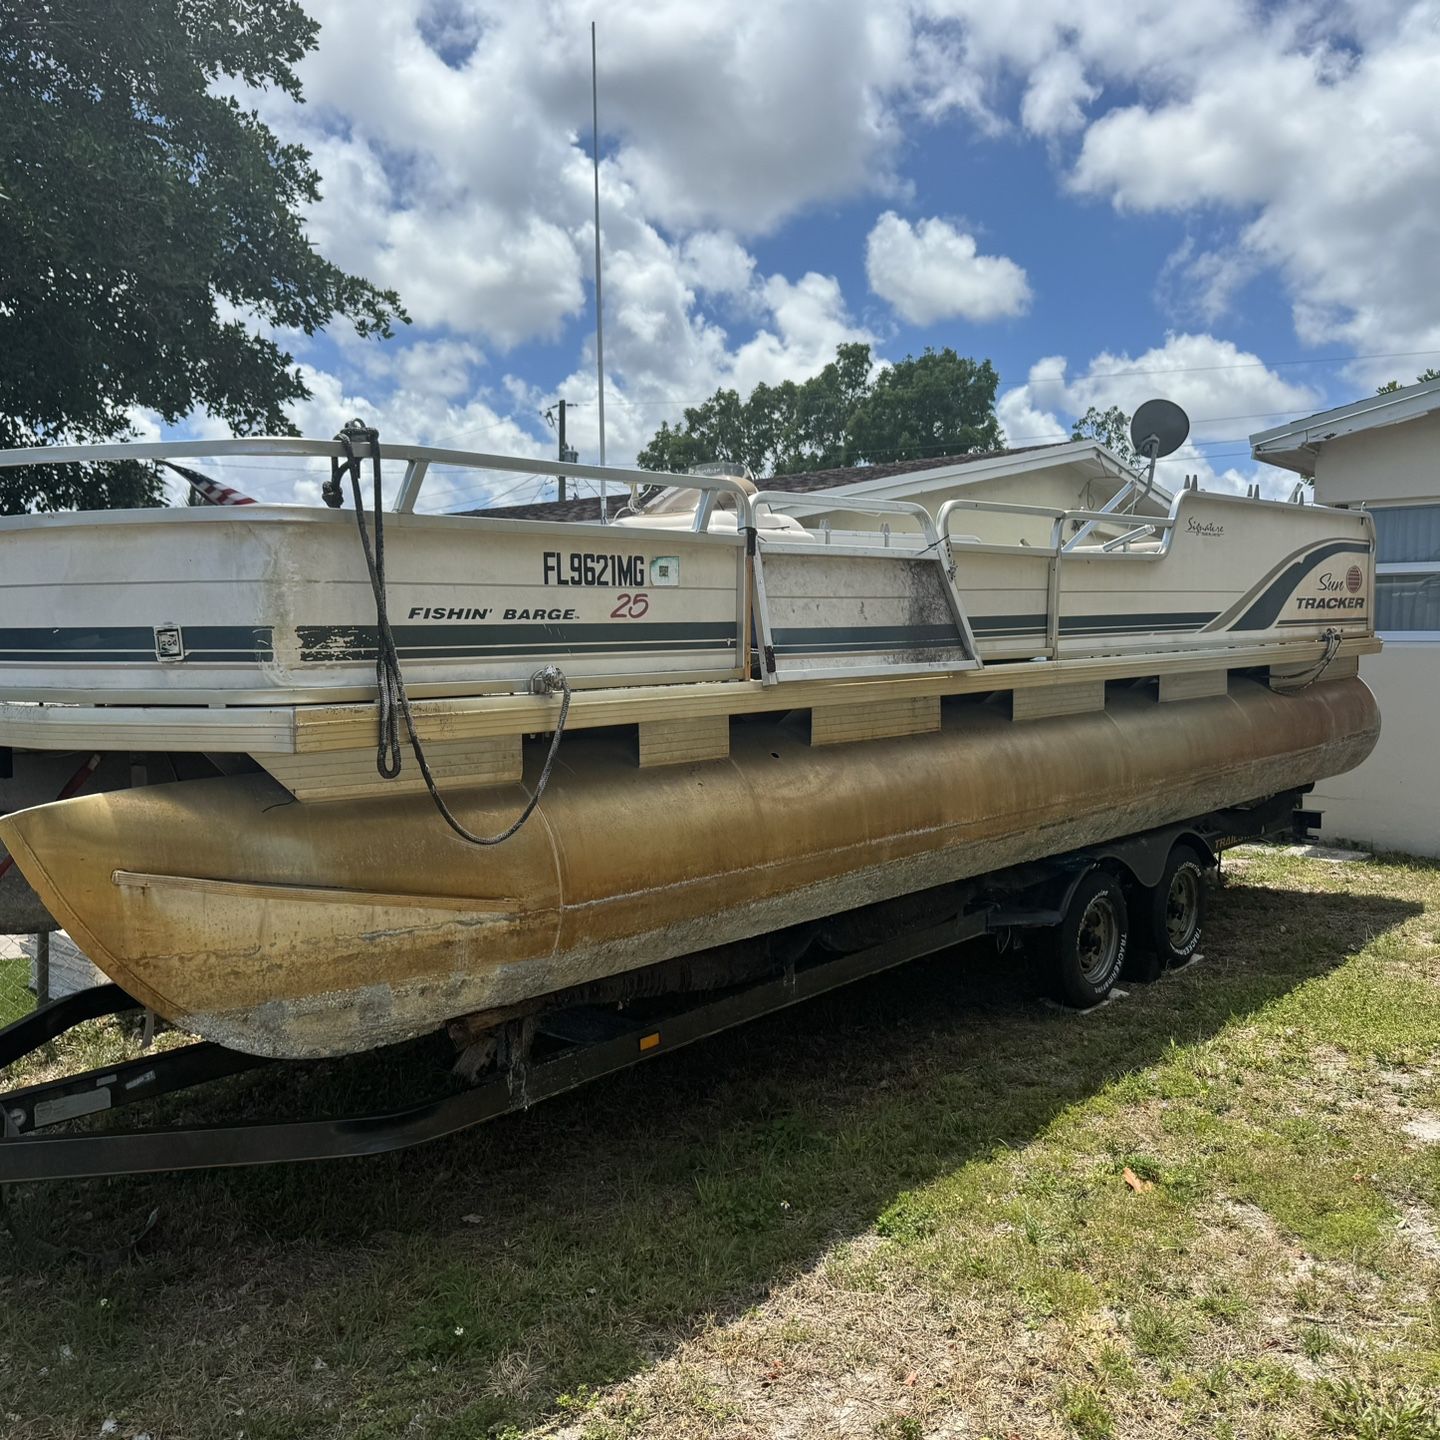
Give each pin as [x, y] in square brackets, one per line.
[567, 456]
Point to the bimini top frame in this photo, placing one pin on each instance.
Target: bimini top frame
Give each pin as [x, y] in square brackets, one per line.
[416, 458]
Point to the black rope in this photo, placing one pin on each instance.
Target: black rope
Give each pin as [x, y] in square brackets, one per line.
[1332, 649]
[393, 699]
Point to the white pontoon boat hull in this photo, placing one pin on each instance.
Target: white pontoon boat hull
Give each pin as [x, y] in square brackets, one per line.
[291, 929]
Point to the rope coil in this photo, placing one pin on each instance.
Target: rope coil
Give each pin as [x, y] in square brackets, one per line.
[393, 700]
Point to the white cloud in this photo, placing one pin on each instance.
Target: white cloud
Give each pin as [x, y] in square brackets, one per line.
[1024, 422]
[479, 270]
[458, 171]
[427, 407]
[1064, 50]
[467, 184]
[1203, 284]
[1309, 132]
[1326, 146]
[1221, 387]
[429, 393]
[1227, 476]
[739, 115]
[810, 321]
[716, 262]
[932, 271]
[673, 357]
[1056, 96]
[1227, 393]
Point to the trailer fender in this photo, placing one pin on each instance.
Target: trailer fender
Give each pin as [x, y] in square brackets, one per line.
[1136, 860]
[1143, 857]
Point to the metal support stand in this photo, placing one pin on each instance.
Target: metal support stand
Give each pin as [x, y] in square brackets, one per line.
[42, 967]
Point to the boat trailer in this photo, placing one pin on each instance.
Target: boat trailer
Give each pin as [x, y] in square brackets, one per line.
[537, 1056]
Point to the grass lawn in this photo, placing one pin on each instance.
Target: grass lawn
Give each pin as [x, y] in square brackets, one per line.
[16, 998]
[900, 1211]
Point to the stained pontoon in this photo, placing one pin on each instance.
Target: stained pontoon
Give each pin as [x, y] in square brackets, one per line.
[265, 883]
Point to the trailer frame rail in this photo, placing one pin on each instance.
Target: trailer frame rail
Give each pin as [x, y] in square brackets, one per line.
[539, 1056]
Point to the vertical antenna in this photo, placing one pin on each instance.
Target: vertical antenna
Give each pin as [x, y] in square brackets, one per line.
[599, 300]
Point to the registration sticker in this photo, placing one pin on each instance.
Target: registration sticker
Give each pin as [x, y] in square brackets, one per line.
[169, 644]
[665, 570]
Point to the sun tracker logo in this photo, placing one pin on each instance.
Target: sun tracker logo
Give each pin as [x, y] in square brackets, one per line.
[1331, 596]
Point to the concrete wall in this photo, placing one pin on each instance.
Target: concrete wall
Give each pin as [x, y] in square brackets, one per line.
[1393, 799]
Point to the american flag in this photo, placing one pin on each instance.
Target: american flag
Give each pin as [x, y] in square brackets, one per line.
[212, 492]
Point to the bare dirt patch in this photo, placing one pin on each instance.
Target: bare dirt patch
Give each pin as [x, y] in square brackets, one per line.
[1424, 1128]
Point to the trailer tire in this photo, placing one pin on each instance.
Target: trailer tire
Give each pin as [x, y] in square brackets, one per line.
[1087, 948]
[1171, 915]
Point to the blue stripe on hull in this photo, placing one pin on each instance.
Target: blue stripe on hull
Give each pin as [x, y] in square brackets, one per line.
[132, 644]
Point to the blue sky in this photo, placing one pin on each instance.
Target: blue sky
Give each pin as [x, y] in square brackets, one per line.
[1222, 204]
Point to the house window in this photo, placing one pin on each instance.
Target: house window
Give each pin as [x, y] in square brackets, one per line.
[1407, 570]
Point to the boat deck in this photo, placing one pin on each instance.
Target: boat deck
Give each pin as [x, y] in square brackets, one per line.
[251, 630]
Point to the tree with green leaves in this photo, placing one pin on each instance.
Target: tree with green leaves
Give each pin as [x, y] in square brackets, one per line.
[146, 221]
[1391, 386]
[931, 405]
[776, 430]
[1111, 428]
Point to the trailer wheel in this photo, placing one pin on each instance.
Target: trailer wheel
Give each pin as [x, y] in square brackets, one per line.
[1171, 915]
[1088, 945]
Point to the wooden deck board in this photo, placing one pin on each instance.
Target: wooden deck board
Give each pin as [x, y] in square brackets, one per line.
[307, 729]
[341, 727]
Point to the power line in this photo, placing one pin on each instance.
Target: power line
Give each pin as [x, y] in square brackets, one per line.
[460, 489]
[491, 497]
[1116, 375]
[1266, 364]
[511, 419]
[1121, 374]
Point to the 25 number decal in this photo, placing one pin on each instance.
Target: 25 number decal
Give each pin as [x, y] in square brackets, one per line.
[631, 607]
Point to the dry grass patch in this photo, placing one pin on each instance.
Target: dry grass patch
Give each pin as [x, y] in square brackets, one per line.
[1275, 1273]
[899, 1212]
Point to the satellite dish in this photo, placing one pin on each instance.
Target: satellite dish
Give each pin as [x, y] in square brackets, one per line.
[1159, 428]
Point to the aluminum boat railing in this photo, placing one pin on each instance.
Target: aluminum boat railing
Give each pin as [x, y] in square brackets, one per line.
[417, 460]
[1059, 548]
[934, 534]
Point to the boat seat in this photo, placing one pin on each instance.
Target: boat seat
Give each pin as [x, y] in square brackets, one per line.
[721, 521]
